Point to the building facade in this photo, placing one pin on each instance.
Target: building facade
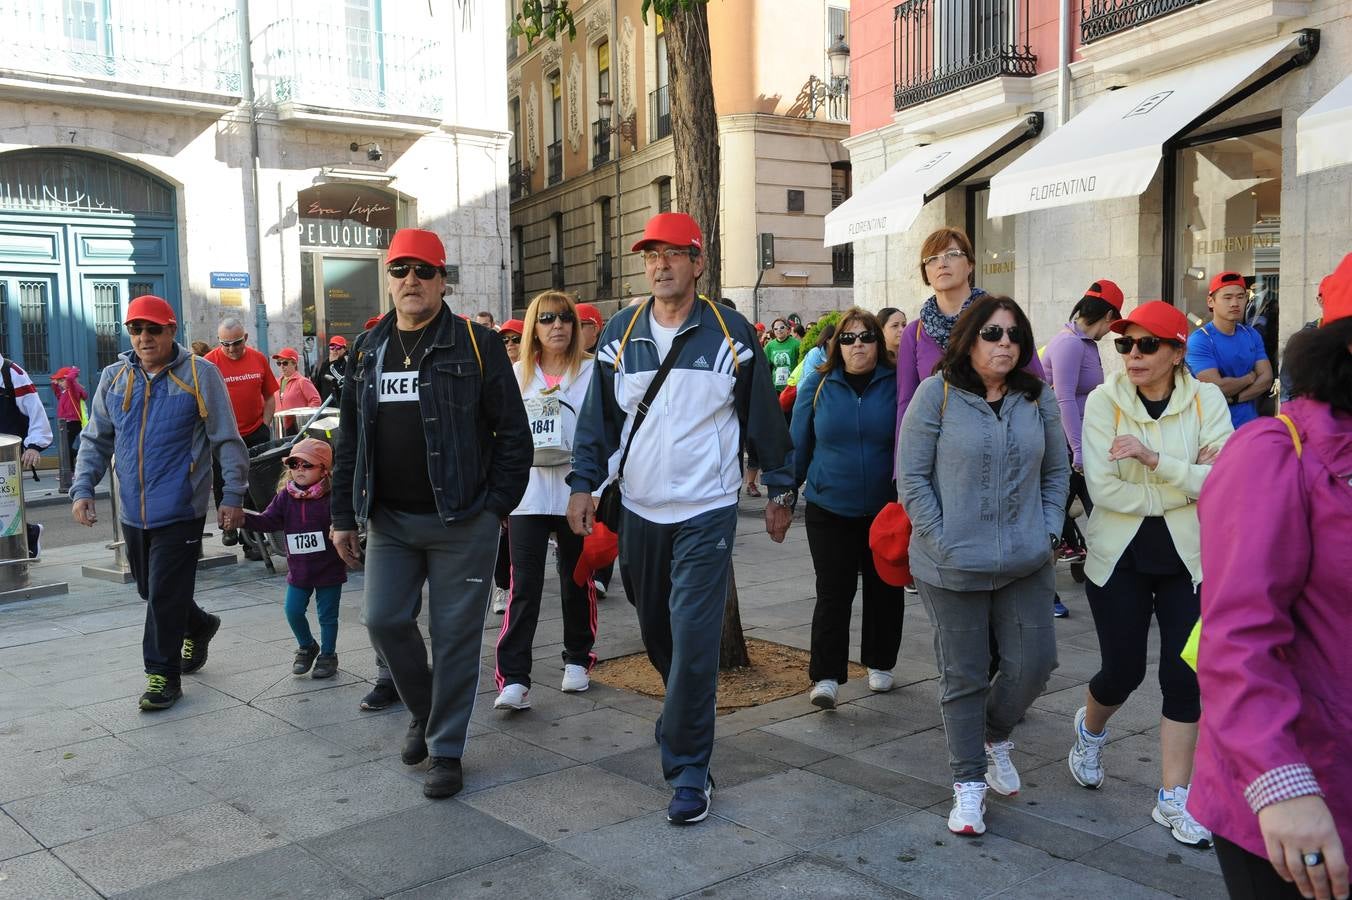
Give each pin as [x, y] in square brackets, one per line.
[240, 158]
[592, 156]
[1179, 157]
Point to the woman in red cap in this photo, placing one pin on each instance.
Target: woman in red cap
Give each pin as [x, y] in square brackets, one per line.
[72, 412]
[1151, 433]
[294, 389]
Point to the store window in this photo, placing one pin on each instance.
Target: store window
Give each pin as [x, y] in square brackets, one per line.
[993, 241]
[1228, 211]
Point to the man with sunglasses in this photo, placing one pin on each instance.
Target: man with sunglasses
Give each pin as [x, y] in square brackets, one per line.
[680, 477]
[433, 453]
[163, 412]
[1228, 353]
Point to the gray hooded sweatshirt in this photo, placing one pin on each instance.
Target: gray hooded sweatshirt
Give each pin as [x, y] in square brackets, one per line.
[983, 491]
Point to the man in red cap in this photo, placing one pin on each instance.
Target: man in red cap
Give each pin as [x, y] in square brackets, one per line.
[434, 451]
[329, 376]
[591, 321]
[679, 476]
[161, 412]
[1228, 353]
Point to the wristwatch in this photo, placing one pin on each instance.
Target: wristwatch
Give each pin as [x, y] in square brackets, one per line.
[788, 499]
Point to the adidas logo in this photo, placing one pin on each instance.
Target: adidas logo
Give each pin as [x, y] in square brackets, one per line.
[722, 544]
[700, 363]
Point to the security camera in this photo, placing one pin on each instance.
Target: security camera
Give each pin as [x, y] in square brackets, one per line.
[373, 153]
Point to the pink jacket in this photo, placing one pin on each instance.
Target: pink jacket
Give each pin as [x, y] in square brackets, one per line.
[1275, 662]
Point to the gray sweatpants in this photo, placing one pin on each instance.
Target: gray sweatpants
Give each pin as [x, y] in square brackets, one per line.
[976, 708]
[404, 551]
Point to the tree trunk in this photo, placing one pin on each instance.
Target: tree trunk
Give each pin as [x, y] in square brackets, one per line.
[732, 653]
[694, 130]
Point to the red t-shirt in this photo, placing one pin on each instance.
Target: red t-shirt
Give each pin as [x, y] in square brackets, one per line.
[250, 382]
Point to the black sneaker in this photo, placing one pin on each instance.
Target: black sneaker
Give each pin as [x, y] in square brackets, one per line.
[690, 805]
[383, 695]
[162, 692]
[326, 666]
[195, 646]
[415, 743]
[305, 657]
[444, 778]
[230, 537]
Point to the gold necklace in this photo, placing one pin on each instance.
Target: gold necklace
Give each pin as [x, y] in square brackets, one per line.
[408, 354]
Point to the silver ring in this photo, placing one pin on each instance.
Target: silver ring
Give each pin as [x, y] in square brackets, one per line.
[1313, 859]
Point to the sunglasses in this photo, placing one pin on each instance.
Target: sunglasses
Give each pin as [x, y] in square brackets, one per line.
[284, 362]
[300, 464]
[337, 347]
[511, 338]
[1148, 345]
[846, 338]
[993, 333]
[229, 344]
[135, 329]
[424, 271]
[548, 318]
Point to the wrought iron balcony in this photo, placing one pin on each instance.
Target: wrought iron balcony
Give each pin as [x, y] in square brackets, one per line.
[659, 113]
[604, 274]
[942, 46]
[556, 275]
[518, 179]
[842, 265]
[1100, 18]
[555, 156]
[188, 45]
[600, 142]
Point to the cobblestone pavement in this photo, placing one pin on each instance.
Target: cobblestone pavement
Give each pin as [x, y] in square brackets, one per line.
[259, 783]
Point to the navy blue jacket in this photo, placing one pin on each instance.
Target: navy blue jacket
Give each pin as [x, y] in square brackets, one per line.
[844, 444]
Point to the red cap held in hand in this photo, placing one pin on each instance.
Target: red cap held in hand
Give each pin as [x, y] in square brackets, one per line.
[599, 550]
[889, 537]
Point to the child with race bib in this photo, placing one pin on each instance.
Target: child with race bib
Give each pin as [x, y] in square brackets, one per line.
[301, 510]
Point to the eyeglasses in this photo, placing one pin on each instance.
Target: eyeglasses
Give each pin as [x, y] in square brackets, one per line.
[424, 271]
[511, 338]
[1148, 345]
[670, 254]
[294, 464]
[950, 256]
[548, 318]
[846, 338]
[228, 344]
[993, 333]
[135, 328]
[284, 362]
[781, 327]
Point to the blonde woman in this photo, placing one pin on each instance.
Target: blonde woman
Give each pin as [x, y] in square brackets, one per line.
[554, 373]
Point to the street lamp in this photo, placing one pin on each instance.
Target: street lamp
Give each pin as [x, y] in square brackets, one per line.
[626, 128]
[837, 90]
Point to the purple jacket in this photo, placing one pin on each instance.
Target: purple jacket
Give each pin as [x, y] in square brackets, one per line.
[1073, 368]
[1274, 663]
[311, 560]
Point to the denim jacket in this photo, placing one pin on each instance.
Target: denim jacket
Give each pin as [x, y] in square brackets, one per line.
[479, 447]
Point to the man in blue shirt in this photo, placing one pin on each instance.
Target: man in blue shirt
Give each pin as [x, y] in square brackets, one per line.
[1228, 353]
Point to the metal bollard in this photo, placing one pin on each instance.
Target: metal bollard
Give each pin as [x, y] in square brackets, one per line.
[14, 561]
[65, 465]
[119, 572]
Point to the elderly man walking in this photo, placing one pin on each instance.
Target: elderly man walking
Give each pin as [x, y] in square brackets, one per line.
[162, 411]
[434, 451]
[681, 439]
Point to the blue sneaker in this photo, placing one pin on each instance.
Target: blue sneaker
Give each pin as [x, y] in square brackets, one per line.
[690, 805]
[1059, 610]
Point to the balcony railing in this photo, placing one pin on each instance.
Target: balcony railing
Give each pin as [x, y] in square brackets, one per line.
[189, 45]
[556, 275]
[942, 46]
[518, 179]
[659, 113]
[1100, 18]
[337, 67]
[604, 273]
[556, 162]
[600, 142]
[842, 265]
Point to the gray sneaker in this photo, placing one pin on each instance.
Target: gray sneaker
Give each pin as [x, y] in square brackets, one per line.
[1086, 763]
[1171, 811]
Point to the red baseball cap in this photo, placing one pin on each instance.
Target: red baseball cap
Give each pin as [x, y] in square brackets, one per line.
[1161, 319]
[588, 313]
[312, 450]
[1225, 279]
[371, 323]
[339, 341]
[1337, 292]
[415, 243]
[760, 327]
[149, 308]
[889, 537]
[599, 550]
[1108, 292]
[677, 229]
[287, 353]
[514, 325]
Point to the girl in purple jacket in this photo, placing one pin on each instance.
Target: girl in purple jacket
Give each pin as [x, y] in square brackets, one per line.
[301, 511]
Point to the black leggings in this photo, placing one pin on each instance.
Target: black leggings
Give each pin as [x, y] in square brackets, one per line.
[1122, 609]
[1250, 877]
[1070, 532]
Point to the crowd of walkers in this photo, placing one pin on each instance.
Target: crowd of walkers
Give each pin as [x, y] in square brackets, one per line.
[945, 455]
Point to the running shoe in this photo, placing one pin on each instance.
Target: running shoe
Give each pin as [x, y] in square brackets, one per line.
[910, 588]
[305, 658]
[823, 694]
[1171, 811]
[968, 815]
[513, 696]
[326, 665]
[499, 600]
[162, 692]
[575, 679]
[1086, 763]
[880, 681]
[1000, 772]
[36, 550]
[382, 695]
[690, 805]
[1059, 610]
[194, 652]
[600, 588]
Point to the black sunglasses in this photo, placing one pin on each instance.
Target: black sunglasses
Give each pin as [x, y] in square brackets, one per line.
[424, 271]
[846, 338]
[299, 464]
[1149, 344]
[511, 338]
[135, 329]
[993, 333]
[337, 347]
[548, 318]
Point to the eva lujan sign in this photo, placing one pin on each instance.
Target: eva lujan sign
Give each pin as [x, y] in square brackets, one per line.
[346, 216]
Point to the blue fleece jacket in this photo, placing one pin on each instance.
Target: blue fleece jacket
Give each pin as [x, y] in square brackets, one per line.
[844, 443]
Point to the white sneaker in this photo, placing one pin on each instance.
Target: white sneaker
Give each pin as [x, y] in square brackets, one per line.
[1171, 811]
[599, 588]
[1086, 764]
[969, 808]
[880, 680]
[910, 588]
[824, 693]
[513, 696]
[499, 600]
[1000, 772]
[575, 679]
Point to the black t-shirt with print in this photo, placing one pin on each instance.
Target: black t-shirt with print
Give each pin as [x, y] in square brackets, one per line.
[401, 479]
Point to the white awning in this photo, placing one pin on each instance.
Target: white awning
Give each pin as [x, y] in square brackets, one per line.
[1113, 148]
[890, 202]
[1324, 131]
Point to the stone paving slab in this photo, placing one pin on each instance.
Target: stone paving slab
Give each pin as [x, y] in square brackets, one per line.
[541, 872]
[41, 876]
